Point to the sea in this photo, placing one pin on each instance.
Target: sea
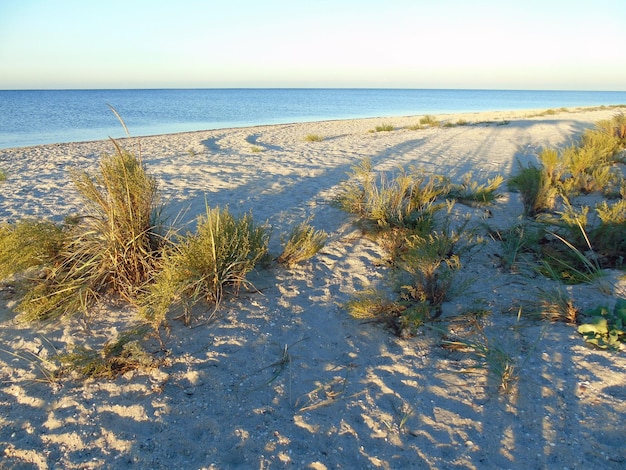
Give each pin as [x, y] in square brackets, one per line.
[35, 117]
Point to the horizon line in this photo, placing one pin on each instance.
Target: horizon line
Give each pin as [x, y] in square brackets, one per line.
[312, 88]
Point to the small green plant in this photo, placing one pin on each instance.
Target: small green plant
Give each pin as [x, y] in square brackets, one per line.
[112, 360]
[403, 413]
[385, 127]
[471, 192]
[371, 304]
[536, 190]
[431, 262]
[303, 243]
[406, 200]
[562, 260]
[204, 264]
[256, 149]
[501, 366]
[557, 306]
[429, 121]
[313, 138]
[552, 165]
[518, 242]
[3, 175]
[606, 328]
[608, 237]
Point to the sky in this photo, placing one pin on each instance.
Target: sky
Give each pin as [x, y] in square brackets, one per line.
[483, 44]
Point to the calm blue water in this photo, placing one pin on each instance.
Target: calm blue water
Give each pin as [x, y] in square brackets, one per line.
[33, 117]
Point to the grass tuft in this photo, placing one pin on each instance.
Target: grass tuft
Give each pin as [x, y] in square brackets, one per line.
[303, 243]
[384, 127]
[203, 265]
[113, 248]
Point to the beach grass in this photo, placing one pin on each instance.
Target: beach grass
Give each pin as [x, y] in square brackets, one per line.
[313, 138]
[112, 248]
[206, 264]
[302, 243]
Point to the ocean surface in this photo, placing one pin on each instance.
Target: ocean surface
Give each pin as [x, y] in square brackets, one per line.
[34, 117]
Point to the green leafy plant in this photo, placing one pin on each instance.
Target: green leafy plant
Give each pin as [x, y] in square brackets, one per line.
[3, 175]
[303, 243]
[606, 328]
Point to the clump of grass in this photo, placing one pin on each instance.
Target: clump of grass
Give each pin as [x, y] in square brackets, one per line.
[302, 243]
[256, 149]
[460, 122]
[431, 261]
[371, 304]
[114, 359]
[471, 192]
[557, 306]
[429, 120]
[27, 244]
[313, 138]
[536, 190]
[501, 366]
[406, 200]
[203, 265]
[3, 175]
[519, 243]
[111, 249]
[384, 127]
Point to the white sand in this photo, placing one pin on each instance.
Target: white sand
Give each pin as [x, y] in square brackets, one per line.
[341, 400]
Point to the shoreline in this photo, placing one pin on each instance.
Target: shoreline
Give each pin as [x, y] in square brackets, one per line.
[347, 393]
[529, 112]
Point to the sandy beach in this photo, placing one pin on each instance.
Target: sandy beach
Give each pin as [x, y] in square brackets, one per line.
[283, 376]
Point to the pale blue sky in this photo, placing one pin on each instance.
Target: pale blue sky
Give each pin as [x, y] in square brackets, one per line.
[522, 44]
